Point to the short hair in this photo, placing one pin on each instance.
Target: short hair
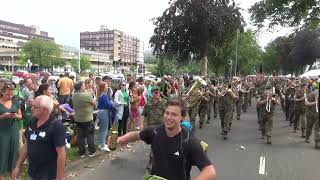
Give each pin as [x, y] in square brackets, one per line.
[42, 87]
[45, 102]
[87, 81]
[78, 85]
[179, 103]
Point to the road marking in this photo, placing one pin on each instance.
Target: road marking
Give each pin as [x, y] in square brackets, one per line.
[262, 166]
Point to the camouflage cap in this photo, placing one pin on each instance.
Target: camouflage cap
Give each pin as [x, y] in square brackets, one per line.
[155, 88]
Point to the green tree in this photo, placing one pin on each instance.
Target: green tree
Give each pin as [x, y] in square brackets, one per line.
[290, 13]
[249, 53]
[187, 28]
[85, 63]
[75, 64]
[41, 53]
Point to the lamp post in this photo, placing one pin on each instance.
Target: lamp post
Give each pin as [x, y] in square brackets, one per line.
[236, 64]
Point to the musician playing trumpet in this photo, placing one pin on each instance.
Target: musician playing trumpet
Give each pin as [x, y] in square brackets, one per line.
[268, 100]
[227, 100]
[312, 114]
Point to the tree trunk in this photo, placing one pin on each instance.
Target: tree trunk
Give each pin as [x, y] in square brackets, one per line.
[204, 66]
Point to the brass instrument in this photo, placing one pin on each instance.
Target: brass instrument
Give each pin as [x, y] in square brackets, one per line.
[269, 100]
[317, 108]
[226, 90]
[195, 93]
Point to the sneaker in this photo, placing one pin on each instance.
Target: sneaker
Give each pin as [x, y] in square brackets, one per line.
[104, 148]
[83, 155]
[96, 127]
[92, 154]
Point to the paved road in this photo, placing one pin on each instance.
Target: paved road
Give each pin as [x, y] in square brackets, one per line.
[288, 158]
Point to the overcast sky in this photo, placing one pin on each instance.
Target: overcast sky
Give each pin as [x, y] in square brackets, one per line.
[65, 19]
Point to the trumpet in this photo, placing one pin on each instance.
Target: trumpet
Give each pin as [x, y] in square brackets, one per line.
[228, 89]
[317, 108]
[269, 102]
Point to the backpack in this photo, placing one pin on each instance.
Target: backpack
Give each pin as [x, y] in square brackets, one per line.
[184, 141]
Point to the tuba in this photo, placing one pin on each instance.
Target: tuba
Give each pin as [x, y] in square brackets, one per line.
[195, 93]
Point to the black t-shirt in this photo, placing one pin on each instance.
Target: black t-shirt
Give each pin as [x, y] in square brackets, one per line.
[42, 143]
[170, 161]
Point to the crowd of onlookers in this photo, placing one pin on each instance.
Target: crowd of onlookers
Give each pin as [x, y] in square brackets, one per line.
[94, 105]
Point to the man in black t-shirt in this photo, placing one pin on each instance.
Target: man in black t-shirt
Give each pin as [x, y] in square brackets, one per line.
[45, 144]
[175, 151]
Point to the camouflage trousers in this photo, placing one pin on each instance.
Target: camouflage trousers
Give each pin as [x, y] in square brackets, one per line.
[259, 115]
[291, 112]
[313, 122]
[226, 119]
[202, 111]
[298, 117]
[245, 103]
[209, 110]
[192, 112]
[267, 125]
[239, 105]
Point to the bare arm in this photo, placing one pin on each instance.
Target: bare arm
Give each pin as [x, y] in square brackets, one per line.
[22, 157]
[142, 121]
[129, 137]
[207, 173]
[61, 151]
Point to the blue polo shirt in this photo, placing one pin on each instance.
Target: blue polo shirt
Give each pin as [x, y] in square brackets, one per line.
[42, 143]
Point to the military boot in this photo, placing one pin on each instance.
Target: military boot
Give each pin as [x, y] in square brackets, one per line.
[307, 140]
[269, 140]
[317, 145]
[303, 133]
[201, 124]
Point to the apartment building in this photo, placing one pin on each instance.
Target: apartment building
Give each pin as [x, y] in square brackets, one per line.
[124, 50]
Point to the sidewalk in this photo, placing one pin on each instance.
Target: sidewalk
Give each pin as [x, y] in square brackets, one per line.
[81, 165]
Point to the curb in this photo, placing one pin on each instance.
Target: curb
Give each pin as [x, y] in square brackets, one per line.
[74, 168]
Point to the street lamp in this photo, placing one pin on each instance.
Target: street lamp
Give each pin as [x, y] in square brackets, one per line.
[236, 64]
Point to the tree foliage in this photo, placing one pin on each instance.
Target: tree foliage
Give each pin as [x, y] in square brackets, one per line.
[187, 28]
[85, 63]
[290, 13]
[249, 53]
[45, 54]
[292, 53]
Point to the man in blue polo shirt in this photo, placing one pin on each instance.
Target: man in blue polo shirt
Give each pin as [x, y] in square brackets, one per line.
[45, 147]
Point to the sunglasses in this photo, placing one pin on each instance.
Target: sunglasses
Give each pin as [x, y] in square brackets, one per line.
[9, 86]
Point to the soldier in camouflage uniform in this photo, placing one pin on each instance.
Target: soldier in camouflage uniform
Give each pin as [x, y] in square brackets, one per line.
[215, 98]
[260, 90]
[246, 96]
[211, 92]
[152, 115]
[203, 106]
[239, 103]
[290, 91]
[298, 110]
[153, 111]
[193, 111]
[312, 114]
[226, 105]
[267, 100]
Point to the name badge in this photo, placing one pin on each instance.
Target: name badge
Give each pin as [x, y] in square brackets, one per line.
[33, 136]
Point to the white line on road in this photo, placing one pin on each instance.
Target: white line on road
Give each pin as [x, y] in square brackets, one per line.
[262, 166]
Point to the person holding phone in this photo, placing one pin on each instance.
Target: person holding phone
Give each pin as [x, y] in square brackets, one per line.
[10, 112]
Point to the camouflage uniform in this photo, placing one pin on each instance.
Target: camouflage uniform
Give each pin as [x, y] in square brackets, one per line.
[260, 90]
[210, 104]
[153, 112]
[239, 104]
[291, 104]
[203, 108]
[313, 120]
[299, 110]
[246, 97]
[226, 107]
[267, 117]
